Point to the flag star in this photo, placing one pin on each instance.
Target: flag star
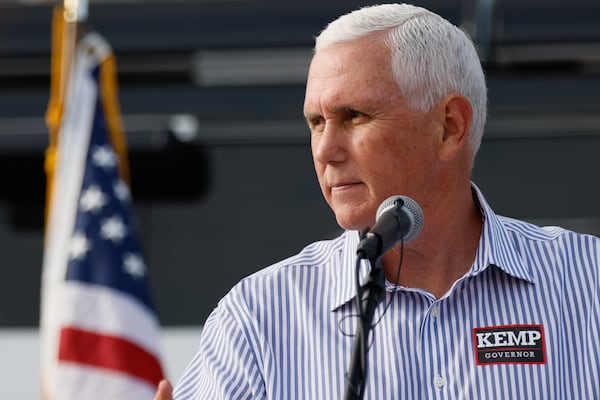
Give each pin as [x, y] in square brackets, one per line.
[122, 191]
[134, 265]
[113, 229]
[78, 246]
[92, 199]
[104, 157]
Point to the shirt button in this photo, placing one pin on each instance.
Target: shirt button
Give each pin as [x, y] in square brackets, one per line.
[439, 381]
[435, 311]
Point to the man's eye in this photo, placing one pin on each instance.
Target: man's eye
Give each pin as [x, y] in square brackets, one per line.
[352, 114]
[316, 124]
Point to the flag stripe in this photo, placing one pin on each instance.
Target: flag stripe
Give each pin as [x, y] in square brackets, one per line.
[109, 352]
[93, 308]
[101, 384]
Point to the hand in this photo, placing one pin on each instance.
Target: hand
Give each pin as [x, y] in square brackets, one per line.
[164, 391]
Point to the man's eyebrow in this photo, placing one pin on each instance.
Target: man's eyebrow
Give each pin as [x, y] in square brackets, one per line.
[311, 116]
[341, 109]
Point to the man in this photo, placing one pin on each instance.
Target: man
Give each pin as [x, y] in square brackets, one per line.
[478, 306]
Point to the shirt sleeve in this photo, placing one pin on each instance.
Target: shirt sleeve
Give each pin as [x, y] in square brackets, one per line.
[226, 365]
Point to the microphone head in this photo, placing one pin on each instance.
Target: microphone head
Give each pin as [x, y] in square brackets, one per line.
[412, 210]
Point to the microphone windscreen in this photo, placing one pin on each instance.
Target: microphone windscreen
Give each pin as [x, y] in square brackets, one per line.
[413, 209]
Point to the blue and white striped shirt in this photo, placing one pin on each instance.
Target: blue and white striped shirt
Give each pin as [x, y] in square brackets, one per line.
[522, 323]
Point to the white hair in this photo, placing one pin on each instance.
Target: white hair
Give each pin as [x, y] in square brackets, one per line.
[431, 57]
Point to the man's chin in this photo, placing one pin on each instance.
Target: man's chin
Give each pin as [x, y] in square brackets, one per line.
[350, 224]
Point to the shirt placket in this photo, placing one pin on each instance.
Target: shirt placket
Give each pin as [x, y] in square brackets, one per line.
[435, 376]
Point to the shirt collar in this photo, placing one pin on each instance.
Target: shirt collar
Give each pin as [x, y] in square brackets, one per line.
[497, 247]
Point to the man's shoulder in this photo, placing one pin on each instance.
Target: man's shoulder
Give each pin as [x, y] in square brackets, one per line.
[290, 278]
[314, 255]
[547, 233]
[562, 243]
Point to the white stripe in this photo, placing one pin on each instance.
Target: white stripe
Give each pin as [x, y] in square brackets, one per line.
[92, 307]
[84, 382]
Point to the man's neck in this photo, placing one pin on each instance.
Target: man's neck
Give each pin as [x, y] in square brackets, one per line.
[442, 254]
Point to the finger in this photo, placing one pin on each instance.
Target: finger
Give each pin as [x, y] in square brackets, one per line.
[164, 391]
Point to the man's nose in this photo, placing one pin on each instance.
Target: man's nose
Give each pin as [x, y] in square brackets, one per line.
[329, 145]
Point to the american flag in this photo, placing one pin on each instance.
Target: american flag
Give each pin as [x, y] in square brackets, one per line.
[98, 324]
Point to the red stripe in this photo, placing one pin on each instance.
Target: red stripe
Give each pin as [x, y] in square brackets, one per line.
[109, 352]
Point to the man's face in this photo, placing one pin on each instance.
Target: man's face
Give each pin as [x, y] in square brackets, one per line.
[367, 144]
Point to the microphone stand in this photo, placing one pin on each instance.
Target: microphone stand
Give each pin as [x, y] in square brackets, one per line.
[373, 292]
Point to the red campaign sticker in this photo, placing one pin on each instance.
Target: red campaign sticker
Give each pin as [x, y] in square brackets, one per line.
[509, 344]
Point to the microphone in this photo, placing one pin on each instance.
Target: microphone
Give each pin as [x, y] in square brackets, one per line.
[398, 218]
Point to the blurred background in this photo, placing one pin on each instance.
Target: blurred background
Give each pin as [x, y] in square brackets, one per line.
[222, 180]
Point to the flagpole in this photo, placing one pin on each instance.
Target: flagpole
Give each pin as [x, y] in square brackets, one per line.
[66, 20]
[74, 14]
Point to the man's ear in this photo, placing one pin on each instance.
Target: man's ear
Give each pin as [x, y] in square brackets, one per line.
[457, 113]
